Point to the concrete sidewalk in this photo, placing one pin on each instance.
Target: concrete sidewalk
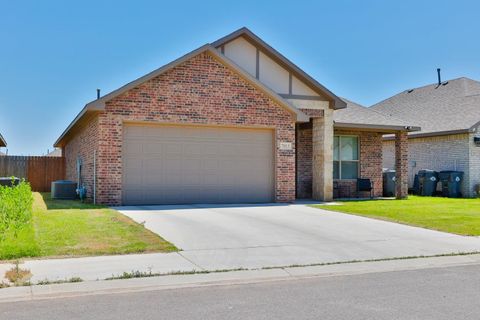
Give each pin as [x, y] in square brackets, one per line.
[227, 278]
[102, 267]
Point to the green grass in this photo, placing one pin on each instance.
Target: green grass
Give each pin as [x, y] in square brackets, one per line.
[24, 245]
[71, 228]
[459, 216]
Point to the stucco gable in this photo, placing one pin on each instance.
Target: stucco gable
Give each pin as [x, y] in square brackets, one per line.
[272, 68]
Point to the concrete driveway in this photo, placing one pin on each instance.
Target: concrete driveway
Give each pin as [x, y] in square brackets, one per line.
[215, 237]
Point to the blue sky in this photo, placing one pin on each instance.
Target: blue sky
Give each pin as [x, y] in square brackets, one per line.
[54, 54]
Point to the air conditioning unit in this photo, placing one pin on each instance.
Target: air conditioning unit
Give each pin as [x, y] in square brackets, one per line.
[64, 190]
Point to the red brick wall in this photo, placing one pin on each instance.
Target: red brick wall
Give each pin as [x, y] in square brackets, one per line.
[371, 159]
[82, 145]
[199, 91]
[370, 163]
[304, 160]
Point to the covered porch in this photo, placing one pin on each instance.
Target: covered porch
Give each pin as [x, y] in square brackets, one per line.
[332, 155]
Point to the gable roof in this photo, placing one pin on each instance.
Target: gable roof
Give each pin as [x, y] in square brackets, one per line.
[356, 116]
[3, 143]
[453, 107]
[338, 103]
[99, 104]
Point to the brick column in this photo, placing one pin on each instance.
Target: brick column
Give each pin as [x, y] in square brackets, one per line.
[322, 157]
[401, 164]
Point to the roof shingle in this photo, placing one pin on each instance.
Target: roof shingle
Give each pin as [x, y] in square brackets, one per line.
[356, 114]
[452, 106]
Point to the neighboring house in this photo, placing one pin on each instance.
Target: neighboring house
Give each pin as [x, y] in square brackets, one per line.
[3, 143]
[230, 122]
[449, 115]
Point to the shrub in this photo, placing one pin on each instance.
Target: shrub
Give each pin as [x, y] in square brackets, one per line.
[15, 208]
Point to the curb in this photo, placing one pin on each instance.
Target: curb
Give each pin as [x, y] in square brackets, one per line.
[168, 282]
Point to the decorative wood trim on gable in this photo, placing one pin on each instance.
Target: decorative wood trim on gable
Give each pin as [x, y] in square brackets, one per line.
[300, 97]
[257, 64]
[336, 102]
[290, 84]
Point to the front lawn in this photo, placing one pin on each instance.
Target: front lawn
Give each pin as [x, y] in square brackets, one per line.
[460, 216]
[71, 228]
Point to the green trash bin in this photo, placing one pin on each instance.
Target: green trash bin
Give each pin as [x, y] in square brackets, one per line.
[427, 182]
[451, 183]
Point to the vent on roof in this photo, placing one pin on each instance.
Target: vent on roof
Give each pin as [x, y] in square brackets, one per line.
[410, 91]
[445, 83]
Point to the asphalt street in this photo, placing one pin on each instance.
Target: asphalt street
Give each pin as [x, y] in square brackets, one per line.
[439, 293]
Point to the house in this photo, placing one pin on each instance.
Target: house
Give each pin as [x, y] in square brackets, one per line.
[230, 122]
[449, 115]
[3, 143]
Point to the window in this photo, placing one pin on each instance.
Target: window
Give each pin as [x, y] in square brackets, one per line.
[345, 157]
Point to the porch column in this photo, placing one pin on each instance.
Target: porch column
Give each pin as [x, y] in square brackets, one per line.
[401, 164]
[322, 157]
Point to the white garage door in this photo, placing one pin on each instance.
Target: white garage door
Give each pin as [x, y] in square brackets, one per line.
[183, 164]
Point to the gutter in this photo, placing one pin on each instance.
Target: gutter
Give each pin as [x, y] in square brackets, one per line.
[435, 134]
[388, 128]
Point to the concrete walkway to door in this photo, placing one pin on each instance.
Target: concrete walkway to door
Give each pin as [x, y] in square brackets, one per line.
[215, 237]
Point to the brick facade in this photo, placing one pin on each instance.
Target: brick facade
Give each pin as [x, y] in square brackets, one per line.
[82, 146]
[199, 91]
[304, 161]
[448, 152]
[370, 144]
[370, 163]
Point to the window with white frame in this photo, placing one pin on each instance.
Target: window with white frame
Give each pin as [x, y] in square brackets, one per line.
[345, 157]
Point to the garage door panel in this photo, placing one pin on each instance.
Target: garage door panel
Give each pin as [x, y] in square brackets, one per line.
[133, 148]
[173, 164]
[135, 131]
[172, 148]
[211, 164]
[155, 147]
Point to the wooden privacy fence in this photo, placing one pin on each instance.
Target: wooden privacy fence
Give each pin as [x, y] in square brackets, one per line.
[39, 171]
